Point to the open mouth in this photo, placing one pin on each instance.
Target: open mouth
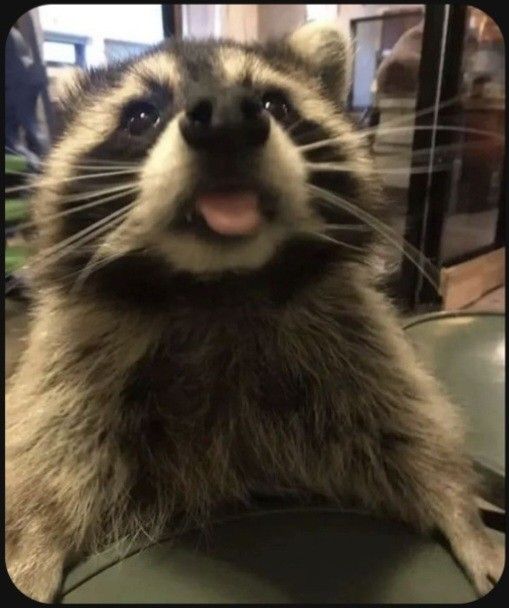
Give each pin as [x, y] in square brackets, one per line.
[227, 214]
[236, 214]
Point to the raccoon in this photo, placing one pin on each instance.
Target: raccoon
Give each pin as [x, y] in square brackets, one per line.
[208, 323]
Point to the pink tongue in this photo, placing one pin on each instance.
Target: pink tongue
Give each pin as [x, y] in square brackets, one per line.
[235, 213]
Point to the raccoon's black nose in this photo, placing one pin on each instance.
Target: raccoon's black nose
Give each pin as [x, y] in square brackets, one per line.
[232, 120]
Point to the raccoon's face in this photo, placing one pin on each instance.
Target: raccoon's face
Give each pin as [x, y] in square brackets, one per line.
[194, 158]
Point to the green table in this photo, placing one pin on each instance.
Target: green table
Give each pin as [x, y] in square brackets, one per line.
[287, 556]
[466, 352]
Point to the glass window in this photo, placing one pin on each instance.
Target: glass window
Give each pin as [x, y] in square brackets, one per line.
[116, 50]
[474, 201]
[387, 55]
[112, 30]
[59, 52]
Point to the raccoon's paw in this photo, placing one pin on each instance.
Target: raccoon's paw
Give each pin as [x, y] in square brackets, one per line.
[36, 575]
[489, 572]
[483, 560]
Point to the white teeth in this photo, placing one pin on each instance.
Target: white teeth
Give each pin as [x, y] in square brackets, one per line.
[189, 217]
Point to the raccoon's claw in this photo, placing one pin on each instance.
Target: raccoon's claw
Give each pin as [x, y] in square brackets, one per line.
[35, 570]
[483, 560]
[489, 570]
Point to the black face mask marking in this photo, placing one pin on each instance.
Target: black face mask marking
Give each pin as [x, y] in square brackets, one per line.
[224, 167]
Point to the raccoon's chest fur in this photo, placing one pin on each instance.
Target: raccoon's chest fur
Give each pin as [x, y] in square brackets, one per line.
[235, 397]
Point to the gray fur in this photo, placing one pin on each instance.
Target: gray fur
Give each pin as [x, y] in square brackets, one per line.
[123, 421]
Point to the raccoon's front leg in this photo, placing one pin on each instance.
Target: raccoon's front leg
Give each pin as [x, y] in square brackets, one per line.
[481, 556]
[59, 488]
[35, 560]
[47, 522]
[58, 513]
[431, 489]
[66, 478]
[410, 454]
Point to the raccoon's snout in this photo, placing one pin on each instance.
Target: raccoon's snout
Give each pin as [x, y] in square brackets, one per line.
[234, 119]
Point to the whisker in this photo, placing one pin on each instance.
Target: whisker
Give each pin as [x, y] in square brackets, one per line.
[348, 227]
[23, 187]
[359, 135]
[329, 239]
[453, 128]
[350, 167]
[307, 133]
[101, 161]
[412, 116]
[58, 255]
[408, 250]
[409, 118]
[86, 167]
[93, 265]
[49, 218]
[79, 196]
[294, 125]
[41, 182]
[97, 166]
[89, 229]
[120, 189]
[440, 149]
[109, 161]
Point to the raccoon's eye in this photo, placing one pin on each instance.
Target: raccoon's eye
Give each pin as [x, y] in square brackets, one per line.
[277, 104]
[139, 117]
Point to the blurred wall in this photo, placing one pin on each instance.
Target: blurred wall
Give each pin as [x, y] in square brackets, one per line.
[240, 21]
[200, 20]
[276, 20]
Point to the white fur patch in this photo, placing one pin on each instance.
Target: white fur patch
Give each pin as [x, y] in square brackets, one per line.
[169, 174]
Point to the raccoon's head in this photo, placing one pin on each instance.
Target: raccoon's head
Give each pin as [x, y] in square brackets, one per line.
[200, 157]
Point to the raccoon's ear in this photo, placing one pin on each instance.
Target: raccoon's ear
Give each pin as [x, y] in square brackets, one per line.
[327, 51]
